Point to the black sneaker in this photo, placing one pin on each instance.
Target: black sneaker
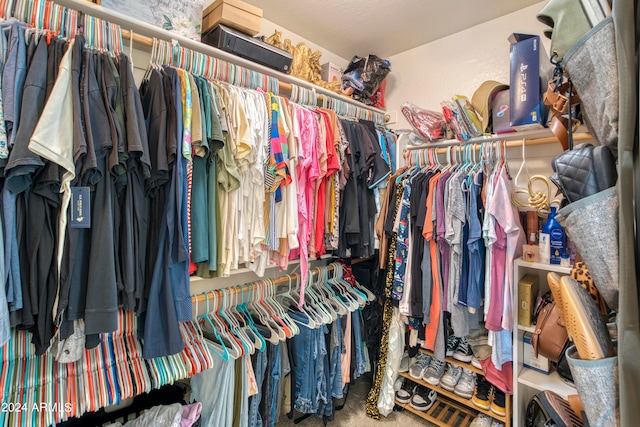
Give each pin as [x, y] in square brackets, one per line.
[406, 392]
[463, 351]
[452, 343]
[423, 399]
[497, 404]
[481, 396]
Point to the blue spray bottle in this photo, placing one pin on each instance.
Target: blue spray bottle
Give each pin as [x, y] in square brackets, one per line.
[552, 240]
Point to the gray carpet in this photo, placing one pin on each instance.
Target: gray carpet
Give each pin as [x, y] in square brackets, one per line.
[354, 414]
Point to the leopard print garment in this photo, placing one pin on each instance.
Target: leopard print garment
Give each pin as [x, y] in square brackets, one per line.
[581, 274]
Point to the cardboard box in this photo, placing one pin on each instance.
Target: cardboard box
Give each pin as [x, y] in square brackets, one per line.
[530, 72]
[527, 294]
[232, 13]
[540, 363]
[330, 72]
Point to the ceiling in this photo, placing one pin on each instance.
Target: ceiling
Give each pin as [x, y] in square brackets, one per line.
[381, 27]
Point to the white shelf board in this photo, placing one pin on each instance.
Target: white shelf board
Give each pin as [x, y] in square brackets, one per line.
[531, 329]
[544, 267]
[540, 381]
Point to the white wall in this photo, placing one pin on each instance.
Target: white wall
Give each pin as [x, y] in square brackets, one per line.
[141, 54]
[267, 28]
[457, 64]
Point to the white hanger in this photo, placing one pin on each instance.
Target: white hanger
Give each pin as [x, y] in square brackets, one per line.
[287, 297]
[261, 312]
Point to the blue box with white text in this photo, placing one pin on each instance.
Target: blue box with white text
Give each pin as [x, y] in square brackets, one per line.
[530, 70]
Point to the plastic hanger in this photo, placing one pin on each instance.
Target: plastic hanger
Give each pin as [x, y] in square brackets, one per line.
[319, 304]
[283, 329]
[324, 296]
[339, 304]
[219, 348]
[288, 299]
[259, 342]
[346, 291]
[308, 304]
[228, 337]
[291, 328]
[234, 325]
[229, 320]
[263, 315]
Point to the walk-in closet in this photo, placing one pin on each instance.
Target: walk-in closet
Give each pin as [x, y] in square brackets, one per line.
[239, 213]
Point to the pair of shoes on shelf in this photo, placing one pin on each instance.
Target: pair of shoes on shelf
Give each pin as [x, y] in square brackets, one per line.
[419, 366]
[434, 371]
[459, 380]
[483, 420]
[405, 362]
[475, 363]
[427, 368]
[488, 397]
[459, 349]
[582, 317]
[406, 391]
[419, 397]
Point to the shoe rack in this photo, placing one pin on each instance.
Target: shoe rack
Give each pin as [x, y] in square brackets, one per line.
[451, 409]
[528, 382]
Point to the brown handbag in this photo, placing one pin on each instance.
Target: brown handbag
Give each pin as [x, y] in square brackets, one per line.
[550, 337]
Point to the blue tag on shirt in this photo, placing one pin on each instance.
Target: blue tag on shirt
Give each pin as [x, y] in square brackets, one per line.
[80, 207]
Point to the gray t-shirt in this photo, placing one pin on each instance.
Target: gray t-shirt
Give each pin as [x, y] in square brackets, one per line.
[454, 223]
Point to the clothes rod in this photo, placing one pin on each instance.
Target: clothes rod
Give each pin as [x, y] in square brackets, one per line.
[143, 33]
[537, 137]
[251, 286]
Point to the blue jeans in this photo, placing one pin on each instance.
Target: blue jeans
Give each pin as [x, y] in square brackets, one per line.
[357, 338]
[312, 369]
[337, 347]
[276, 374]
[259, 369]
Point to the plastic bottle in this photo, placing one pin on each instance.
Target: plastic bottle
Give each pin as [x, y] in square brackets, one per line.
[552, 240]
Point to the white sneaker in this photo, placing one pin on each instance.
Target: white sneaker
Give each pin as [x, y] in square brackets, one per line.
[482, 420]
[404, 362]
[434, 372]
[463, 351]
[466, 385]
[419, 367]
[496, 423]
[423, 399]
[451, 377]
[475, 362]
[406, 392]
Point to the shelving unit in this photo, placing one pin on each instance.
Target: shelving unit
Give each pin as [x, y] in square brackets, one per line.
[459, 404]
[527, 381]
[513, 139]
[443, 413]
[143, 34]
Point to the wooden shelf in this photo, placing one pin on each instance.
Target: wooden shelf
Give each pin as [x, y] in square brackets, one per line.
[466, 402]
[464, 365]
[444, 413]
[513, 139]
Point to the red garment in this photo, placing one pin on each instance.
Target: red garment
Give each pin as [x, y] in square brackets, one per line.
[431, 330]
[333, 166]
[502, 379]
